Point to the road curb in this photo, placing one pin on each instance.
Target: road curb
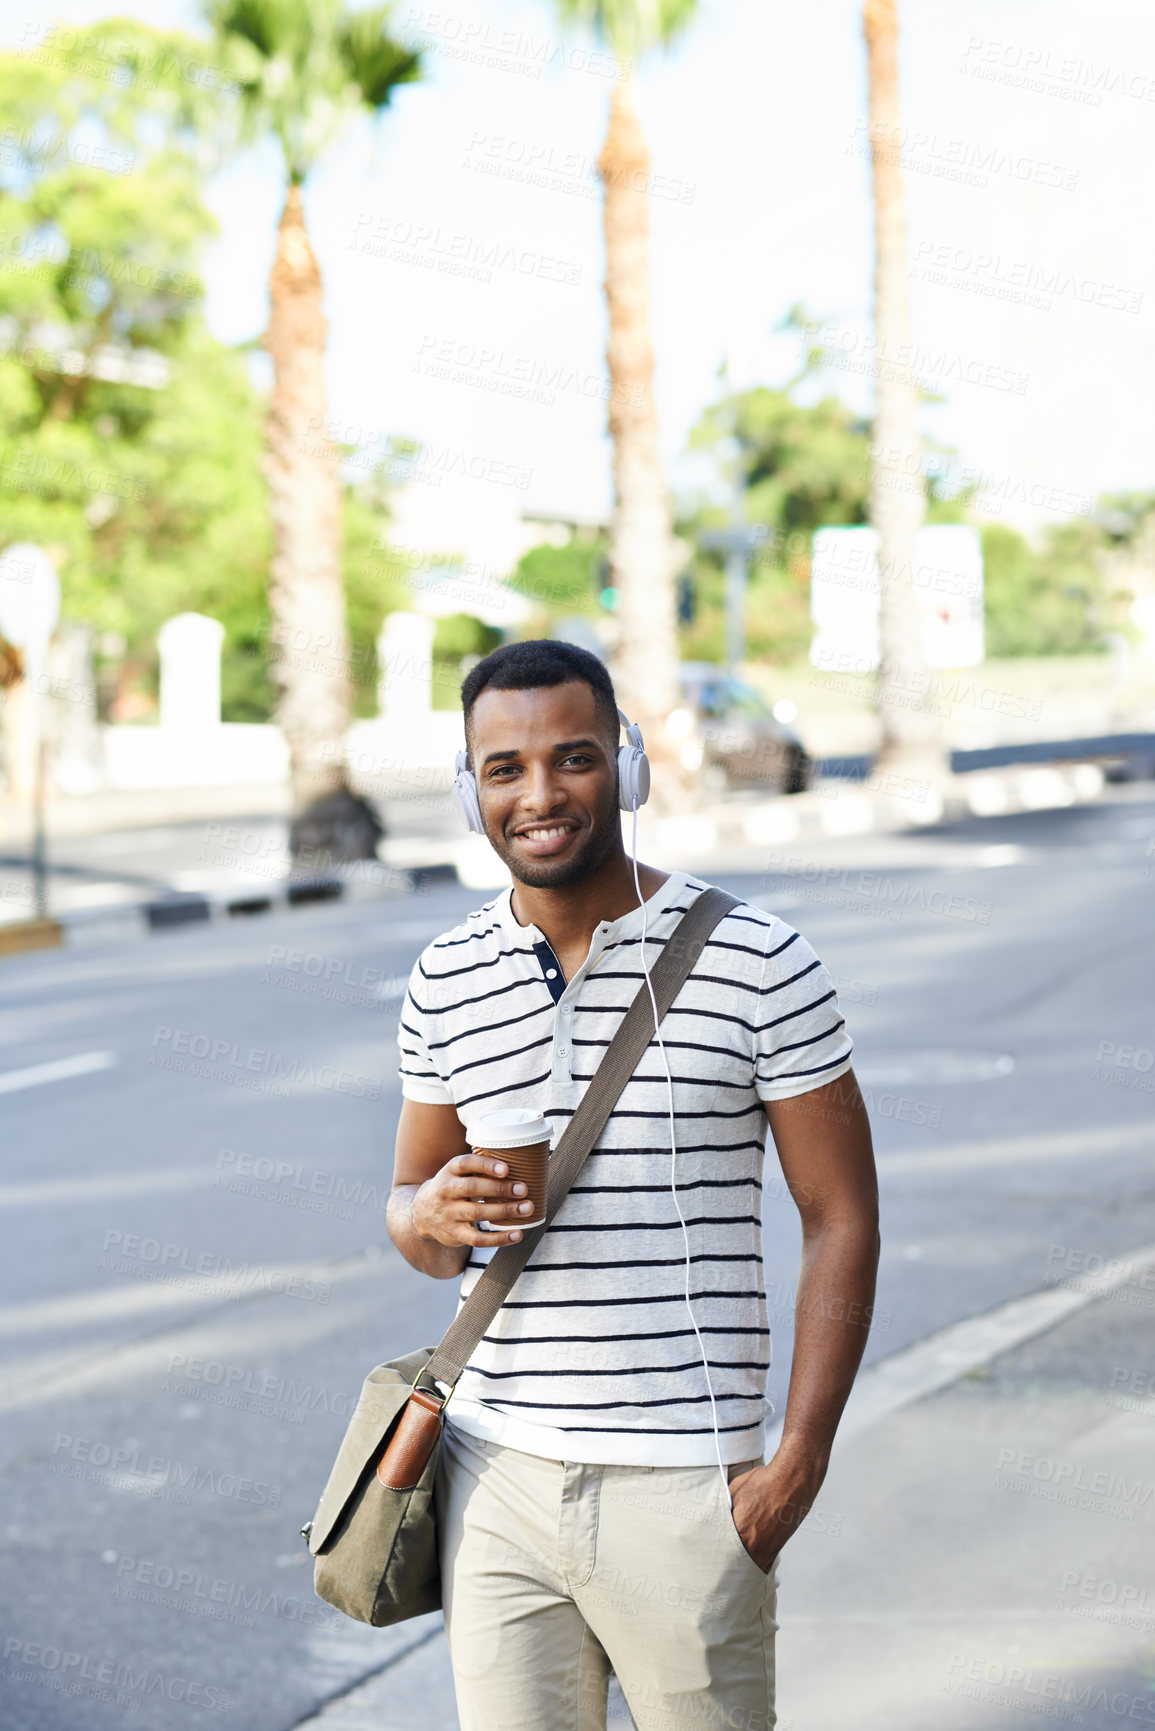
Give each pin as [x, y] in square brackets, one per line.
[181, 909]
[833, 809]
[843, 808]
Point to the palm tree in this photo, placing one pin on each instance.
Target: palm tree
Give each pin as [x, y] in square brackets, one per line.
[642, 551]
[896, 502]
[303, 69]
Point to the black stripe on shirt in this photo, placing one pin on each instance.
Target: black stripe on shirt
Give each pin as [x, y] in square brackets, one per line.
[659, 1225]
[598, 1303]
[479, 1063]
[472, 967]
[662, 1189]
[752, 1430]
[607, 1405]
[797, 1045]
[796, 1075]
[600, 1339]
[478, 998]
[488, 1093]
[469, 938]
[632, 1262]
[625, 1370]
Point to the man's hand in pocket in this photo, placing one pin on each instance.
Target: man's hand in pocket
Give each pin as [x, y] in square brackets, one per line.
[771, 1502]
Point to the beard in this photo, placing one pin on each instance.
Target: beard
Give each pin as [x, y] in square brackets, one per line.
[590, 850]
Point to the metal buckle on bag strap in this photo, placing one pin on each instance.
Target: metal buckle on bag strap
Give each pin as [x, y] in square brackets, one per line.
[442, 1393]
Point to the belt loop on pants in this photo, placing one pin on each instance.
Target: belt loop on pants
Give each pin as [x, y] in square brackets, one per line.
[578, 1520]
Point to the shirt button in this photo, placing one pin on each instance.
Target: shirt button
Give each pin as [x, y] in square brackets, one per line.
[551, 973]
[563, 1051]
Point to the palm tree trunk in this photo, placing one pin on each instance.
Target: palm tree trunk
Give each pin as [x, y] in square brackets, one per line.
[642, 551]
[897, 495]
[306, 591]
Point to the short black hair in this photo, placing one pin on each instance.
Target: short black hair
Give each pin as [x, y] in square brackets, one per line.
[541, 661]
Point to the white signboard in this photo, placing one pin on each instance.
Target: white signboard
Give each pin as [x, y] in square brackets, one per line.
[946, 587]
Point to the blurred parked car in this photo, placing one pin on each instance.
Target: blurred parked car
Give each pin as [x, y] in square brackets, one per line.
[735, 735]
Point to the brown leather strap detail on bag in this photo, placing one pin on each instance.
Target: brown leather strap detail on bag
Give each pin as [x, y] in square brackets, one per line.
[635, 1031]
[401, 1466]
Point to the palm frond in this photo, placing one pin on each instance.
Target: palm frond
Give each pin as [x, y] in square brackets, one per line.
[274, 29]
[375, 63]
[630, 26]
[303, 66]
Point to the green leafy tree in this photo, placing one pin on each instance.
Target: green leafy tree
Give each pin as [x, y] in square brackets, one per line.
[1057, 598]
[129, 438]
[131, 442]
[563, 580]
[304, 69]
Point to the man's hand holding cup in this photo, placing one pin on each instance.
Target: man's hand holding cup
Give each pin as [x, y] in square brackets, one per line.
[487, 1197]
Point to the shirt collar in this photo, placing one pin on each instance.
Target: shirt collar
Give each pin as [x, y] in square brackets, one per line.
[627, 925]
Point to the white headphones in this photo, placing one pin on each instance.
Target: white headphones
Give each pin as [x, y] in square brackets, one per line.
[633, 778]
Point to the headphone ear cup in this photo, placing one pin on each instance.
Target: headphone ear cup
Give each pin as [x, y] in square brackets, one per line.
[642, 769]
[465, 791]
[633, 777]
[626, 777]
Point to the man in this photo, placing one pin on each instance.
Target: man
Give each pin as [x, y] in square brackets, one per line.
[585, 1523]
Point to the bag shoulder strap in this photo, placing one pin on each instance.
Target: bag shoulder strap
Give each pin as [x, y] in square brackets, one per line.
[668, 975]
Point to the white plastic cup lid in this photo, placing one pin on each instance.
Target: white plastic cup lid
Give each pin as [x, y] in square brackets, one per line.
[512, 1128]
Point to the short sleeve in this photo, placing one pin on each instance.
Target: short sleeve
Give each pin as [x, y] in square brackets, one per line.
[800, 1038]
[419, 1077]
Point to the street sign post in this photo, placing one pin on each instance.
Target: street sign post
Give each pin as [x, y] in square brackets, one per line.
[737, 543]
[29, 609]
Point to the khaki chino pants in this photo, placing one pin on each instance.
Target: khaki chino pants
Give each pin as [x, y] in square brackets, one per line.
[555, 1573]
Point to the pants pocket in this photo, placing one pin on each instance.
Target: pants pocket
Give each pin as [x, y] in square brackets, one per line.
[735, 1537]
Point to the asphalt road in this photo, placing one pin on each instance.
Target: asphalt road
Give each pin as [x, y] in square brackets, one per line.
[198, 1274]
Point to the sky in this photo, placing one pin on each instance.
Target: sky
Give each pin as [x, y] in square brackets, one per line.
[460, 242]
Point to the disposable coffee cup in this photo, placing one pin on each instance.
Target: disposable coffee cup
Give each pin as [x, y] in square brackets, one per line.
[521, 1139]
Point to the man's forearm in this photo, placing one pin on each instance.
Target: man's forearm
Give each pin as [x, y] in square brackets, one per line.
[831, 1322]
[442, 1261]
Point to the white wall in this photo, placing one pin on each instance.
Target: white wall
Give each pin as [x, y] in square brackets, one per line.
[230, 754]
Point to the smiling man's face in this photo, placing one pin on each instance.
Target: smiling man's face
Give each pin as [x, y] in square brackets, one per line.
[547, 780]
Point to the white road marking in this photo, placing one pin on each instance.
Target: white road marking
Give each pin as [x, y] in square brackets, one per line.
[1088, 1144]
[999, 854]
[59, 1070]
[907, 1069]
[57, 1192]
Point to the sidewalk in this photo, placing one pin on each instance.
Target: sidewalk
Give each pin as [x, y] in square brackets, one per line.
[981, 1555]
[993, 1552]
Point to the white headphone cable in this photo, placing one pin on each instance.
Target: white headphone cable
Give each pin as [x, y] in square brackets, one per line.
[674, 1167]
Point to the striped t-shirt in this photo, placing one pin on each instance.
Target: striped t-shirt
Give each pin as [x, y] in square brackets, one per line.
[593, 1357]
